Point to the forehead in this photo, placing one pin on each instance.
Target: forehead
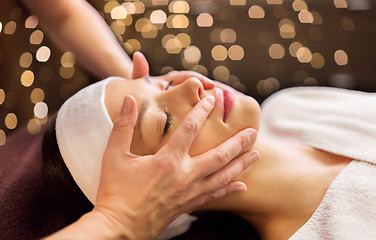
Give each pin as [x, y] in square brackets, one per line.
[117, 89]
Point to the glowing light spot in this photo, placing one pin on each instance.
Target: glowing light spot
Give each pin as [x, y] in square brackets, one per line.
[192, 54]
[132, 45]
[184, 39]
[204, 20]
[173, 46]
[236, 53]
[25, 60]
[33, 126]
[256, 12]
[318, 60]
[37, 95]
[1, 26]
[179, 7]
[180, 21]
[43, 54]
[27, 78]
[3, 138]
[119, 12]
[221, 73]
[219, 53]
[341, 57]
[68, 60]
[317, 18]
[36, 37]
[304, 55]
[118, 27]
[66, 73]
[110, 5]
[31, 22]
[267, 86]
[2, 96]
[200, 69]
[275, 2]
[158, 17]
[287, 28]
[310, 81]
[228, 35]
[40, 110]
[276, 51]
[238, 2]
[340, 3]
[10, 27]
[305, 17]
[11, 121]
[299, 5]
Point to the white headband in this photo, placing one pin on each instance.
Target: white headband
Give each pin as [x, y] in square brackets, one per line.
[83, 127]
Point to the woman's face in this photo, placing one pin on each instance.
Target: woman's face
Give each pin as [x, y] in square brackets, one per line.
[161, 109]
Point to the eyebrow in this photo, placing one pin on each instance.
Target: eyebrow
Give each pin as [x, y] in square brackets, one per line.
[144, 107]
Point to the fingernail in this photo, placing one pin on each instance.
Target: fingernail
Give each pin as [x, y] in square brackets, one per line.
[241, 187]
[251, 134]
[126, 105]
[210, 100]
[254, 156]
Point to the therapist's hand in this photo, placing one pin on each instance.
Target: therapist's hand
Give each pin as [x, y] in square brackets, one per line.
[141, 69]
[141, 195]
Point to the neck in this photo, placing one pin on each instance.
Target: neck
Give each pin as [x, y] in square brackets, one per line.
[284, 187]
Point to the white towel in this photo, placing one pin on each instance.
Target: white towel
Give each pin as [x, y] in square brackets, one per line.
[341, 122]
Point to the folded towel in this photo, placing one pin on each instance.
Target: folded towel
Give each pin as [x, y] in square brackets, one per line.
[341, 122]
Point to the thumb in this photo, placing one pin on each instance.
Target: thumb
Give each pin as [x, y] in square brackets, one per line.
[122, 132]
[140, 65]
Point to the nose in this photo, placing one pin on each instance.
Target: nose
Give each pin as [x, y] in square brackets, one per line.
[190, 90]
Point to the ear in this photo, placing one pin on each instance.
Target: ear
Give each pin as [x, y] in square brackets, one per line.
[140, 65]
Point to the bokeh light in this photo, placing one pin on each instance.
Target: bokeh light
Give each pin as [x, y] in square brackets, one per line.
[276, 51]
[10, 27]
[37, 95]
[36, 37]
[236, 53]
[3, 138]
[219, 53]
[304, 55]
[204, 20]
[256, 12]
[26, 59]
[27, 78]
[43, 54]
[40, 110]
[341, 58]
[11, 121]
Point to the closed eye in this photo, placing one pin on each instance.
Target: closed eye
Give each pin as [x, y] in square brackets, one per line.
[168, 122]
[168, 85]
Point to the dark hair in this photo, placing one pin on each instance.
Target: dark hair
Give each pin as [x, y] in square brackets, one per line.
[61, 186]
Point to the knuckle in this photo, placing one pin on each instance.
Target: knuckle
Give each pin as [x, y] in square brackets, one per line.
[207, 108]
[242, 141]
[191, 127]
[224, 180]
[222, 158]
[166, 165]
[211, 197]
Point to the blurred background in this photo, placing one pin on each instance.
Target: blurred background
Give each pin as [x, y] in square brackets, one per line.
[256, 46]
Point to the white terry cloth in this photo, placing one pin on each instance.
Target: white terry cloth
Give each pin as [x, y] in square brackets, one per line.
[341, 122]
[83, 127]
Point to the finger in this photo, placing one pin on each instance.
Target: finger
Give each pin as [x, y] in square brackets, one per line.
[181, 140]
[226, 175]
[140, 65]
[180, 76]
[232, 187]
[122, 132]
[220, 156]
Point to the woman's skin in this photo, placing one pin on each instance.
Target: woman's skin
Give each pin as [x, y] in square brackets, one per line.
[284, 188]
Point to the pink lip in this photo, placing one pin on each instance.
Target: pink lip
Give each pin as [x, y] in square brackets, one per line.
[225, 101]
